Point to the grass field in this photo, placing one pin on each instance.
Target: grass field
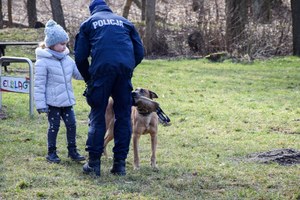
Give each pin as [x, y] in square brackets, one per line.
[220, 113]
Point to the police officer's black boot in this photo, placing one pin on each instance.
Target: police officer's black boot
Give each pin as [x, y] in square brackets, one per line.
[93, 165]
[52, 156]
[118, 167]
[74, 155]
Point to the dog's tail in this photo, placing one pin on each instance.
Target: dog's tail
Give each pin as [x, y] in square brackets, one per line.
[163, 118]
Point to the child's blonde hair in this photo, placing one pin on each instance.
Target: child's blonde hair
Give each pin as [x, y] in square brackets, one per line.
[42, 45]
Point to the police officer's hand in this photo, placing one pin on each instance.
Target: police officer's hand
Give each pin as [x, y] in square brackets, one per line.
[89, 88]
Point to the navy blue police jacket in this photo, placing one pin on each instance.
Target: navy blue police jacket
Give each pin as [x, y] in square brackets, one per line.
[112, 42]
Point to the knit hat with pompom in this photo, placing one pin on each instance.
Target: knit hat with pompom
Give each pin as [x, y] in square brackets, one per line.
[54, 34]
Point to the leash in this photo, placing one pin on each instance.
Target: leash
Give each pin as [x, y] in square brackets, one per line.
[163, 118]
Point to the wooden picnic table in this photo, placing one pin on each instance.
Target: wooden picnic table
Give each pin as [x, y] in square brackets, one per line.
[3, 47]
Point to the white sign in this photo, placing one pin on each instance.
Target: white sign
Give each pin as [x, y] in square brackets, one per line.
[14, 84]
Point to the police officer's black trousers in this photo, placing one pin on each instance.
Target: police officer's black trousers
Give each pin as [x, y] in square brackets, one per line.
[119, 87]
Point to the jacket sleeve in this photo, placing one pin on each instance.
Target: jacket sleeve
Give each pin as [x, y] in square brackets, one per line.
[76, 74]
[40, 85]
[82, 52]
[137, 46]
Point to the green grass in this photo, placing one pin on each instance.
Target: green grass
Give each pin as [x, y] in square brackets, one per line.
[220, 113]
[17, 35]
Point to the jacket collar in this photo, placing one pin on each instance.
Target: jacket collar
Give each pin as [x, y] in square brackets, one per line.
[43, 52]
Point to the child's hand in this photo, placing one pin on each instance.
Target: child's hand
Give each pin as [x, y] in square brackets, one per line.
[42, 110]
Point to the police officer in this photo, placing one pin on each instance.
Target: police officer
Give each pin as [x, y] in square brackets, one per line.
[115, 49]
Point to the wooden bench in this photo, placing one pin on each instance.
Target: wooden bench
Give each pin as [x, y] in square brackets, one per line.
[3, 47]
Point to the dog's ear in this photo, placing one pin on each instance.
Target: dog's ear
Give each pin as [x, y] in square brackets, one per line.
[152, 95]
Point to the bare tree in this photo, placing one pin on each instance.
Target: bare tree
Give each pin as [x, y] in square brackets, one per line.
[139, 4]
[295, 5]
[150, 27]
[236, 16]
[126, 8]
[261, 10]
[31, 12]
[9, 13]
[198, 6]
[1, 16]
[57, 12]
[143, 9]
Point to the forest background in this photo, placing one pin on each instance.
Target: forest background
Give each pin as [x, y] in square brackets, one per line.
[245, 29]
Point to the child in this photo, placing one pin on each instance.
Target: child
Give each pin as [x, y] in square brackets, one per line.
[53, 92]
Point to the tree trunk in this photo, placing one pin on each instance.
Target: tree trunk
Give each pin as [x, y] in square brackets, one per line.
[236, 16]
[57, 12]
[138, 3]
[197, 5]
[31, 12]
[1, 15]
[9, 13]
[295, 5]
[217, 12]
[126, 8]
[150, 38]
[261, 10]
[143, 10]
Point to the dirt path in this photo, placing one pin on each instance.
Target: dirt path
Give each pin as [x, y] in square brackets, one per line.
[281, 156]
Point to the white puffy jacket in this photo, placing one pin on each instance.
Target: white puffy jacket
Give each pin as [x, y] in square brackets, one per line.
[53, 79]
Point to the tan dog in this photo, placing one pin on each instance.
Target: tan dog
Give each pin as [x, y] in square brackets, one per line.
[143, 120]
